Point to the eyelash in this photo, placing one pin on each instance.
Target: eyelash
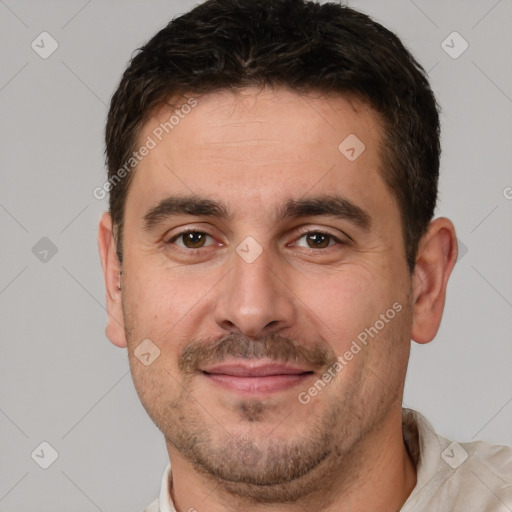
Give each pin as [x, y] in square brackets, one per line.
[301, 235]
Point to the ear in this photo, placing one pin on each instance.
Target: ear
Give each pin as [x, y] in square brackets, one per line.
[112, 272]
[437, 254]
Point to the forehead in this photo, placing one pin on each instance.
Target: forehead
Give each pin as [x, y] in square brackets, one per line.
[260, 146]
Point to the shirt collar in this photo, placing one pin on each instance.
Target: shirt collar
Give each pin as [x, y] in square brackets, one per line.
[165, 500]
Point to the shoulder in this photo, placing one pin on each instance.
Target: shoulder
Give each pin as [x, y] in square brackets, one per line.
[479, 474]
[463, 476]
[153, 506]
[490, 462]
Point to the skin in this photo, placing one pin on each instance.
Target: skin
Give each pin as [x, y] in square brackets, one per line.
[253, 150]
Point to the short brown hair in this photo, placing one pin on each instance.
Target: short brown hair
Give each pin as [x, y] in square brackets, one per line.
[305, 46]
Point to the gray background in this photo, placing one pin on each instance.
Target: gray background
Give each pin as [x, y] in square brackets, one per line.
[62, 382]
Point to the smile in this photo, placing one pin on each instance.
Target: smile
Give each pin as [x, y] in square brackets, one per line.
[256, 377]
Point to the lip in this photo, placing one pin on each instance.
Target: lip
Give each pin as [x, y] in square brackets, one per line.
[256, 377]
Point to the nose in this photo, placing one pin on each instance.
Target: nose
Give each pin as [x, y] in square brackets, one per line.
[254, 299]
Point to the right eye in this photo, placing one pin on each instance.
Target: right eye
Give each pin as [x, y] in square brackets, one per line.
[190, 239]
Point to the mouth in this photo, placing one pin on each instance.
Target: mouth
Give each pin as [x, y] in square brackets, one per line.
[256, 377]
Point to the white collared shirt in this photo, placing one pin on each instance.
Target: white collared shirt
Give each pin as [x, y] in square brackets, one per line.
[451, 477]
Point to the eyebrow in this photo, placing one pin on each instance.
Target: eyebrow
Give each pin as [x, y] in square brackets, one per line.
[327, 205]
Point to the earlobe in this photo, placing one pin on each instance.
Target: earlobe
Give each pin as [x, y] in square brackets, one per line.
[112, 274]
[437, 254]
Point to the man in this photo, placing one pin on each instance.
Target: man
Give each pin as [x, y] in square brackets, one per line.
[270, 252]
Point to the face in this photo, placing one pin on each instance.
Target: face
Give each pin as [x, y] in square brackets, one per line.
[266, 265]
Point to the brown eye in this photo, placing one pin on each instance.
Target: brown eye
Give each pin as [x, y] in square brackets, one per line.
[318, 240]
[190, 239]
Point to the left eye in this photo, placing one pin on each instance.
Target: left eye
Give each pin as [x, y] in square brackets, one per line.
[191, 239]
[318, 240]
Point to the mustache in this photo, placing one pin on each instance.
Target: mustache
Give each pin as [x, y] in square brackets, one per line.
[274, 346]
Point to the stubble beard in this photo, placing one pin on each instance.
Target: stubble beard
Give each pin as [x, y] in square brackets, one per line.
[259, 468]
[255, 466]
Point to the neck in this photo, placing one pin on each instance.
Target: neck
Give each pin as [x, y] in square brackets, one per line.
[377, 475]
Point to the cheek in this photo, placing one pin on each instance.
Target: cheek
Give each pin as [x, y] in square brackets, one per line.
[159, 388]
[345, 303]
[161, 299]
